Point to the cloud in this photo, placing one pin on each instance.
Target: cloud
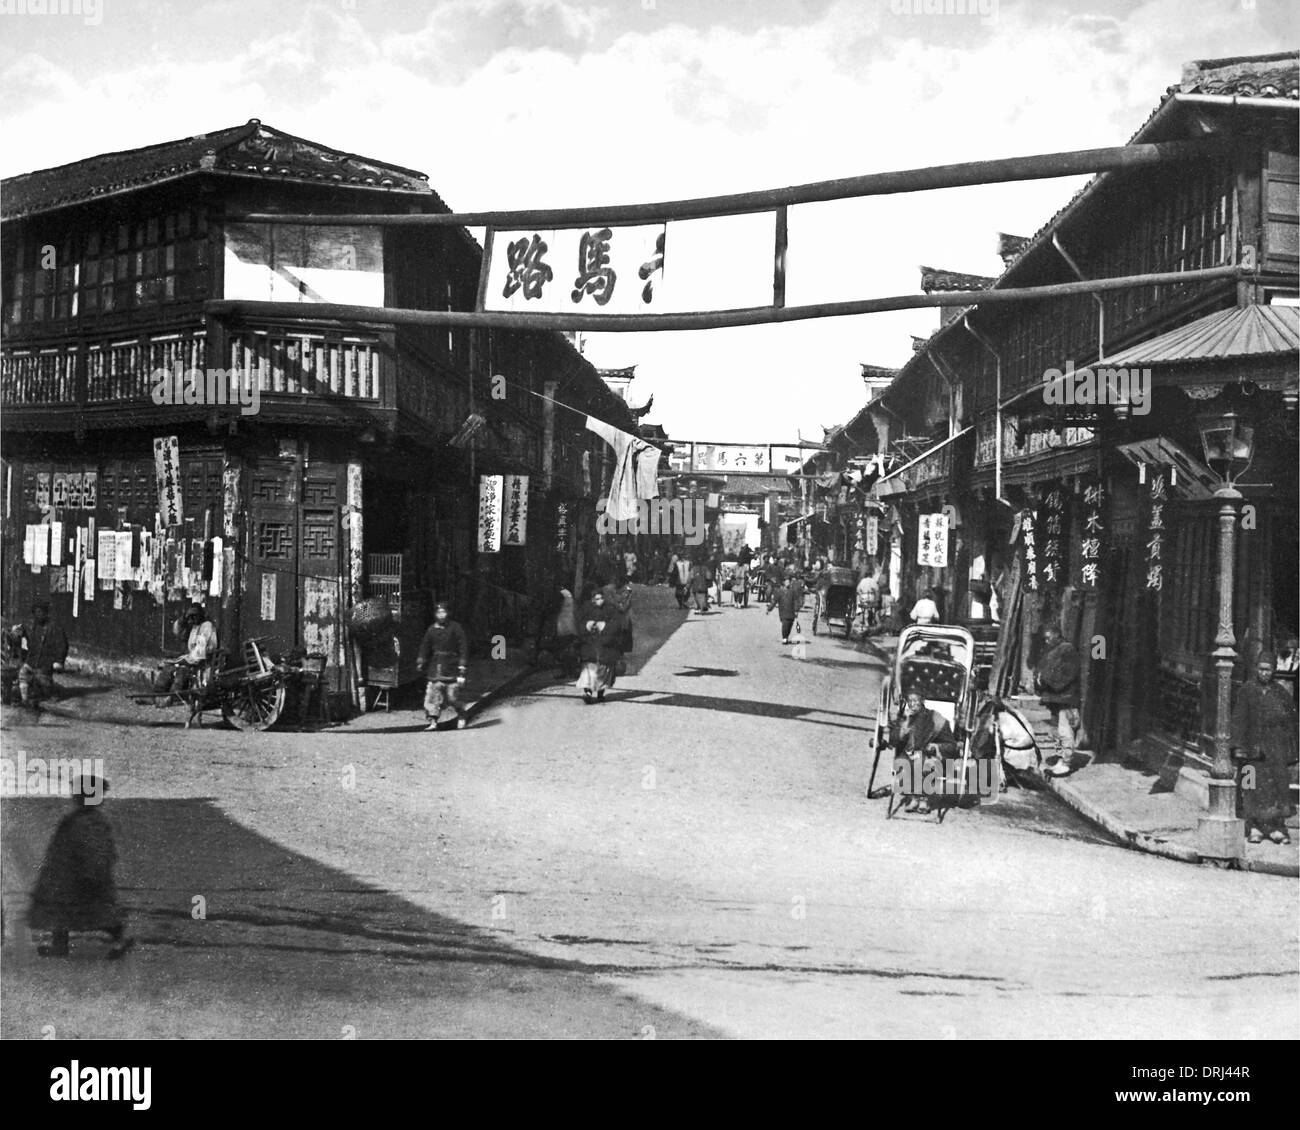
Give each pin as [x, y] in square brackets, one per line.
[538, 103]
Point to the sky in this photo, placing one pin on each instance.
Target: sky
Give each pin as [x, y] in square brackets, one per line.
[547, 103]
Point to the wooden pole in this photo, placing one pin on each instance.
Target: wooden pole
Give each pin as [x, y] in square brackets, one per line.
[1073, 162]
[704, 320]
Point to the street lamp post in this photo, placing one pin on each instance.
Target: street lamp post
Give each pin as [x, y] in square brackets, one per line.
[1228, 448]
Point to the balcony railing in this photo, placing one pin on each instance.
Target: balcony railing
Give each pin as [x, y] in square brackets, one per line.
[296, 363]
[282, 362]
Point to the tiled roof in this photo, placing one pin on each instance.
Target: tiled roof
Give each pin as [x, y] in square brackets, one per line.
[1245, 331]
[251, 149]
[1245, 76]
[934, 278]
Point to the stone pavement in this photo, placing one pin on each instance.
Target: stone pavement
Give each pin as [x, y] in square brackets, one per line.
[1139, 807]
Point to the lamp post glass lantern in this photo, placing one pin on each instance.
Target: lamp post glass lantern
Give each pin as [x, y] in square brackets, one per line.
[1229, 447]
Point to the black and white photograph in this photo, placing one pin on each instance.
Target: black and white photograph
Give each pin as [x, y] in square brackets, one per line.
[639, 520]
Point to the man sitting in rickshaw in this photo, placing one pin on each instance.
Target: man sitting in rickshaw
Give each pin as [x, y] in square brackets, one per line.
[200, 635]
[923, 739]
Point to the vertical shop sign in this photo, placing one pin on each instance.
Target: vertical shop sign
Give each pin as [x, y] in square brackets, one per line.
[489, 513]
[1093, 529]
[167, 467]
[516, 509]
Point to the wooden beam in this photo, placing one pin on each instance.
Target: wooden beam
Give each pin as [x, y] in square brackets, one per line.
[1073, 162]
[717, 319]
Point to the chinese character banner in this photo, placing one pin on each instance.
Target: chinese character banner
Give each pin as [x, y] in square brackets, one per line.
[719, 263]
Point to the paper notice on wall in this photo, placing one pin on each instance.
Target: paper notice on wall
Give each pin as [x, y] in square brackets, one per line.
[29, 544]
[41, 548]
[214, 585]
[56, 543]
[43, 490]
[106, 555]
[122, 570]
[268, 596]
[88, 581]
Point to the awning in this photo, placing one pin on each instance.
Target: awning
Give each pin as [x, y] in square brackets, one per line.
[1229, 335]
[893, 484]
[1189, 478]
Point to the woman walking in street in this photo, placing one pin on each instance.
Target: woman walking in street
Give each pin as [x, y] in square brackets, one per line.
[600, 629]
[1264, 737]
[701, 582]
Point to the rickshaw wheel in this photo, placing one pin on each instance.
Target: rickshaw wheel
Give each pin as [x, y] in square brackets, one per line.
[254, 706]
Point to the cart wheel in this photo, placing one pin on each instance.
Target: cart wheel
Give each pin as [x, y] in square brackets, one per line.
[254, 705]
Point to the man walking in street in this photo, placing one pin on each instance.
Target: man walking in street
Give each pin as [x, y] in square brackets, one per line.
[1057, 683]
[44, 649]
[788, 600]
[443, 660]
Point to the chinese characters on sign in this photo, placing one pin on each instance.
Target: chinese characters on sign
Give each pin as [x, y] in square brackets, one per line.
[1090, 543]
[562, 528]
[1155, 532]
[490, 489]
[167, 467]
[932, 540]
[730, 457]
[873, 535]
[588, 270]
[1030, 550]
[516, 509]
[1053, 535]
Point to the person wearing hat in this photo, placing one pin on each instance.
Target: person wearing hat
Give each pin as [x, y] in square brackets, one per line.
[200, 634]
[923, 737]
[74, 888]
[43, 649]
[1264, 738]
[443, 660]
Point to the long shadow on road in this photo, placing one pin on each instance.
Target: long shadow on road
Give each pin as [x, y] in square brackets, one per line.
[241, 937]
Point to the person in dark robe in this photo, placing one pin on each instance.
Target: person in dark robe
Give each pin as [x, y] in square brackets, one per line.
[44, 650]
[600, 631]
[1264, 739]
[74, 889]
[924, 736]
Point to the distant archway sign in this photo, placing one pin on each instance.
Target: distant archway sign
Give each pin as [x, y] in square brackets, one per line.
[602, 268]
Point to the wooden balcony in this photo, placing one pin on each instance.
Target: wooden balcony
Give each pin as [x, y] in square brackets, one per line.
[312, 375]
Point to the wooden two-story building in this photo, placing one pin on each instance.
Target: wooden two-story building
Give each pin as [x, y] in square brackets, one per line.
[310, 449]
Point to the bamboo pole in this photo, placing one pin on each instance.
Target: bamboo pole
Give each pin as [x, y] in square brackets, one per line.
[1072, 162]
[707, 320]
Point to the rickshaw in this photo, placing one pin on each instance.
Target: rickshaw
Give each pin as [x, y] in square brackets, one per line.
[835, 600]
[936, 660]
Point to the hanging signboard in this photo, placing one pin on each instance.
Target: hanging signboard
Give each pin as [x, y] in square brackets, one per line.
[730, 457]
[490, 488]
[1093, 528]
[872, 535]
[932, 541]
[516, 509]
[1053, 536]
[649, 268]
[167, 468]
